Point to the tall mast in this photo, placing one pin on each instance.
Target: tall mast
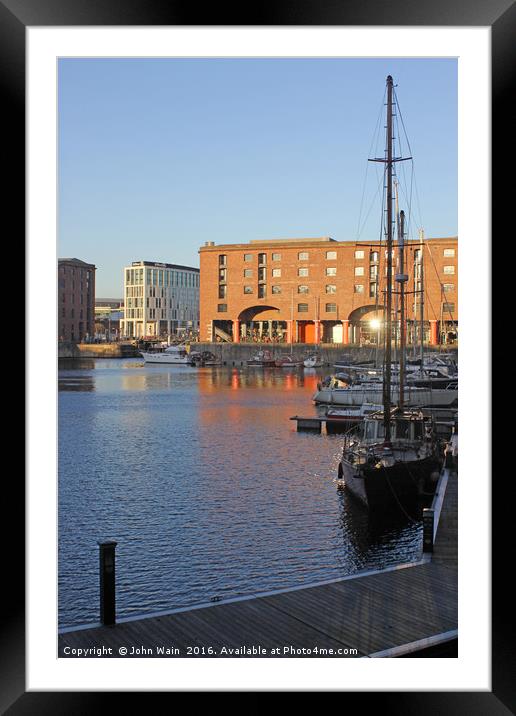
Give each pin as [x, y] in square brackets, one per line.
[388, 344]
[402, 278]
[421, 296]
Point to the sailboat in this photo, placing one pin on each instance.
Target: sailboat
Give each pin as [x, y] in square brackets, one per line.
[391, 461]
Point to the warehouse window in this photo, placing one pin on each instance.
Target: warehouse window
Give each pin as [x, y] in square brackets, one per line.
[359, 254]
[222, 307]
[302, 307]
[331, 255]
[331, 288]
[331, 308]
[302, 289]
[449, 269]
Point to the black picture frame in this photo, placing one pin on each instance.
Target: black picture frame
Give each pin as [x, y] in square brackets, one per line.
[500, 15]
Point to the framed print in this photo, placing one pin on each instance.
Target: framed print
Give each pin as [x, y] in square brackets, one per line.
[91, 76]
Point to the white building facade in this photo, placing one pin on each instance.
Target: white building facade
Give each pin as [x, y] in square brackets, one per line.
[159, 300]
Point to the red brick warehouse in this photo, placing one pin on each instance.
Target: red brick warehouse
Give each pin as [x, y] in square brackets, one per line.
[322, 291]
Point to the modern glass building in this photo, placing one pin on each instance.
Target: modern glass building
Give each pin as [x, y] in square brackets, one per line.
[159, 300]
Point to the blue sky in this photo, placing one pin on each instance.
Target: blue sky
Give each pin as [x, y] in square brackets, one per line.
[157, 156]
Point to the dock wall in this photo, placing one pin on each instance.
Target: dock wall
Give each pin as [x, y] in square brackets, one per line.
[67, 349]
[238, 353]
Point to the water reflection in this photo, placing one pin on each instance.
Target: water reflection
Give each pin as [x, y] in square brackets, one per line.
[203, 480]
[76, 382]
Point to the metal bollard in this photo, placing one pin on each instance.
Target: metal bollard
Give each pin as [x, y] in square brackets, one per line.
[107, 582]
[428, 529]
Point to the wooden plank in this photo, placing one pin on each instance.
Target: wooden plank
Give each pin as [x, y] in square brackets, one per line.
[372, 613]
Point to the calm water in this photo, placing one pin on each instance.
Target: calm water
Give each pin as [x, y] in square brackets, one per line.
[205, 484]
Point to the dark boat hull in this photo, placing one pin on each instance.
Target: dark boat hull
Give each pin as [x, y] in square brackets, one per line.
[388, 488]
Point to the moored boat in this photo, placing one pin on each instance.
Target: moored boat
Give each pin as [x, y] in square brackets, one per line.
[396, 454]
[262, 359]
[173, 355]
[288, 361]
[313, 361]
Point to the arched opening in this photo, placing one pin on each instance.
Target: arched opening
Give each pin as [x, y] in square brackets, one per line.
[260, 324]
[366, 325]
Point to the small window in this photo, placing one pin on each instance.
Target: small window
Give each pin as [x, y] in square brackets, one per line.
[248, 257]
[262, 258]
[448, 287]
[248, 273]
[302, 256]
[417, 255]
[331, 271]
[276, 257]
[373, 257]
[302, 289]
[276, 289]
[276, 273]
[331, 308]
[222, 259]
[262, 291]
[302, 307]
[262, 273]
[222, 274]
[302, 272]
[222, 307]
[331, 288]
[248, 289]
[222, 291]
[448, 307]
[331, 255]
[449, 269]
[449, 253]
[359, 254]
[373, 290]
[373, 271]
[359, 270]
[359, 288]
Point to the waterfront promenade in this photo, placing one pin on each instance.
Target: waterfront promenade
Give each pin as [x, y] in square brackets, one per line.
[400, 611]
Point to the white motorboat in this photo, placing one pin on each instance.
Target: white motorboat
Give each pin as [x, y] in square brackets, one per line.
[173, 355]
[313, 361]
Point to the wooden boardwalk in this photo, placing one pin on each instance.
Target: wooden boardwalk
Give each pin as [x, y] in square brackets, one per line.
[385, 613]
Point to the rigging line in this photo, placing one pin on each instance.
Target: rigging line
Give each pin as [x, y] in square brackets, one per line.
[376, 195]
[413, 165]
[376, 133]
[397, 500]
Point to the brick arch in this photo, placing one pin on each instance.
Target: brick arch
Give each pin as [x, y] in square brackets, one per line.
[358, 314]
[249, 314]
